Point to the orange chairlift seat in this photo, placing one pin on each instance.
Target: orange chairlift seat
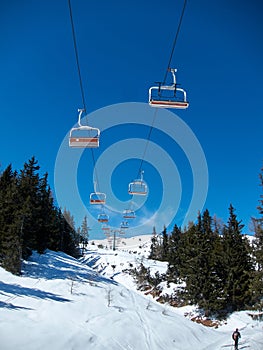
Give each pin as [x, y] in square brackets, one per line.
[84, 136]
[128, 214]
[138, 187]
[168, 96]
[103, 218]
[97, 197]
[106, 229]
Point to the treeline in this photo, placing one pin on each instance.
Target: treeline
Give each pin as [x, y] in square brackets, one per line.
[219, 269]
[29, 219]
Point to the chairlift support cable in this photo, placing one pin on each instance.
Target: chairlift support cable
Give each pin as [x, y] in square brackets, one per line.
[165, 99]
[175, 41]
[147, 142]
[80, 78]
[76, 54]
[165, 76]
[164, 80]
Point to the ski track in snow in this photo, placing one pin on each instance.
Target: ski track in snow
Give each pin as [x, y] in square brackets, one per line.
[142, 322]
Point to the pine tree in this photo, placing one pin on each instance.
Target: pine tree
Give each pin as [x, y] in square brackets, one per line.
[257, 286]
[70, 238]
[198, 264]
[84, 232]
[237, 264]
[56, 224]
[29, 205]
[10, 233]
[173, 257]
[45, 220]
[211, 284]
[165, 247]
[155, 249]
[258, 225]
[188, 252]
[159, 246]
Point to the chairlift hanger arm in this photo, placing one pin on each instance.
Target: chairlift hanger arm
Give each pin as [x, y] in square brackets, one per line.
[80, 110]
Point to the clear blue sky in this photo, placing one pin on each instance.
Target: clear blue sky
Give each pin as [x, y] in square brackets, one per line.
[123, 49]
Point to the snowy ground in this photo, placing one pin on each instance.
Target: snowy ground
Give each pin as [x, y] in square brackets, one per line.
[62, 303]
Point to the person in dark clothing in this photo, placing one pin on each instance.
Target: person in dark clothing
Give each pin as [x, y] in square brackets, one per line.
[235, 336]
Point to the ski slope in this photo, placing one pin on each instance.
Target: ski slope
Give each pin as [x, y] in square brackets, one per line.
[64, 303]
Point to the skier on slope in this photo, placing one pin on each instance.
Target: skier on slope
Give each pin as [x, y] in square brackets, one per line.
[235, 336]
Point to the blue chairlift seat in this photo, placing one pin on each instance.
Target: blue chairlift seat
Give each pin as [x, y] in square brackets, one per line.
[124, 225]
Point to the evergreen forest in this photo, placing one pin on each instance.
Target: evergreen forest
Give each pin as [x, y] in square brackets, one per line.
[30, 220]
[214, 263]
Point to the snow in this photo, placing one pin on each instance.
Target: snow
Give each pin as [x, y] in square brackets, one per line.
[64, 303]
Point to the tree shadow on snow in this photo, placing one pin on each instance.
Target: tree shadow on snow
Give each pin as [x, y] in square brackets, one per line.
[52, 265]
[12, 307]
[19, 291]
[90, 261]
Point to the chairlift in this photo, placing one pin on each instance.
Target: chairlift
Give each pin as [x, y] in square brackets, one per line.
[97, 197]
[128, 214]
[124, 225]
[168, 96]
[103, 218]
[80, 138]
[138, 187]
[105, 229]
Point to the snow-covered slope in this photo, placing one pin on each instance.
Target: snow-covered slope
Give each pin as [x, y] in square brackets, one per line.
[63, 303]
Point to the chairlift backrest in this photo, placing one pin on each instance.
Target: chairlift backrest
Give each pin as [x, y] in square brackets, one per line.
[137, 187]
[103, 218]
[124, 225]
[128, 214]
[168, 96]
[97, 198]
[105, 229]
